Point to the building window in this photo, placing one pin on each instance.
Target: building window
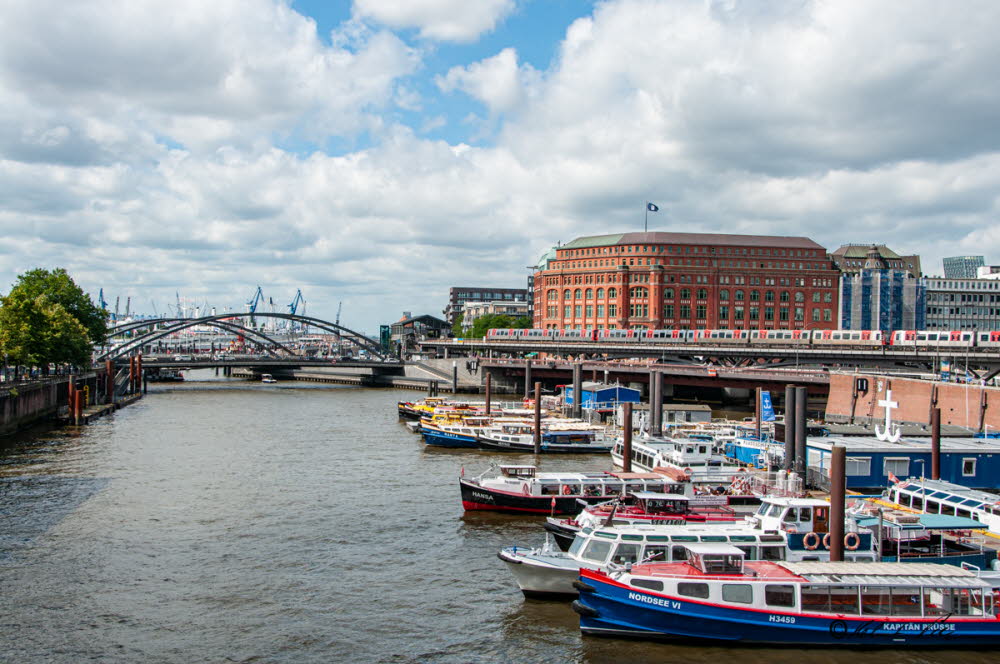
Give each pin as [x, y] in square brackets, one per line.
[702, 293]
[768, 313]
[783, 314]
[600, 293]
[739, 296]
[589, 294]
[769, 296]
[827, 316]
[668, 311]
[784, 296]
[685, 293]
[566, 294]
[754, 296]
[816, 315]
[723, 296]
[612, 292]
[754, 313]
[969, 467]
[898, 466]
[738, 313]
[816, 296]
[700, 311]
[612, 310]
[668, 294]
[577, 311]
[828, 296]
[638, 291]
[800, 296]
[724, 313]
[685, 311]
[600, 311]
[577, 294]
[590, 311]
[567, 311]
[800, 314]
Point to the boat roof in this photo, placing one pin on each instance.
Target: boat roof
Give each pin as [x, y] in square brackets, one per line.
[924, 522]
[871, 444]
[955, 493]
[652, 495]
[796, 502]
[637, 476]
[716, 548]
[898, 574]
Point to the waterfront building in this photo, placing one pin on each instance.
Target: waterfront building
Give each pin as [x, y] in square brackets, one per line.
[988, 272]
[850, 258]
[880, 297]
[657, 280]
[962, 304]
[458, 296]
[473, 310]
[962, 267]
[408, 330]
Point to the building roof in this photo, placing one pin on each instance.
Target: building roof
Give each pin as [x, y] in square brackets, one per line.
[723, 239]
[860, 251]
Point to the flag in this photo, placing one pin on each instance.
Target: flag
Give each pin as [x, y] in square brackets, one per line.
[652, 207]
[766, 409]
[893, 478]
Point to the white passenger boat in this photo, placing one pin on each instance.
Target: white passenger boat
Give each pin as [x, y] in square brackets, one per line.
[717, 595]
[797, 530]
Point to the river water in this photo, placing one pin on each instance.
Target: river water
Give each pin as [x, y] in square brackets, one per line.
[224, 521]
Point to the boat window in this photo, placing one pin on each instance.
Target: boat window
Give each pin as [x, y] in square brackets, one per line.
[749, 552]
[963, 601]
[917, 503]
[947, 509]
[805, 515]
[702, 449]
[685, 538]
[656, 553]
[830, 599]
[651, 584]
[597, 550]
[743, 538]
[693, 589]
[680, 553]
[772, 553]
[933, 506]
[713, 538]
[591, 490]
[741, 593]
[626, 553]
[634, 487]
[577, 544]
[612, 488]
[885, 601]
[762, 510]
[779, 595]
[791, 516]
[550, 489]
[776, 510]
[632, 538]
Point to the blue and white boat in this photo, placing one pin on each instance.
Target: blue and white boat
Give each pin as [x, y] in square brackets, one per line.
[717, 596]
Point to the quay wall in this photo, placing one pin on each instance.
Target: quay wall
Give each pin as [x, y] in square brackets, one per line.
[27, 403]
[974, 407]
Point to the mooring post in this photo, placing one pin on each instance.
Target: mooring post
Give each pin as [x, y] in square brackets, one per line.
[71, 397]
[527, 378]
[454, 377]
[489, 391]
[789, 428]
[538, 418]
[627, 437]
[109, 382]
[757, 411]
[801, 401]
[577, 390]
[655, 404]
[140, 375]
[935, 444]
[838, 491]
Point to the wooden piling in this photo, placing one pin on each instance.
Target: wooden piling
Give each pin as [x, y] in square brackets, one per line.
[489, 391]
[757, 411]
[935, 444]
[838, 491]
[538, 418]
[109, 385]
[627, 437]
[789, 428]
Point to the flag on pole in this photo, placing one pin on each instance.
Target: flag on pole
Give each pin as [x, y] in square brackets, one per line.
[652, 207]
[893, 478]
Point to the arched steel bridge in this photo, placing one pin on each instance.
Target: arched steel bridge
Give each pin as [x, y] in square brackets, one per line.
[158, 328]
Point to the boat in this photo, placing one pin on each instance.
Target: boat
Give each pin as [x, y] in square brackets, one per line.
[166, 375]
[940, 497]
[716, 595]
[572, 437]
[643, 508]
[521, 489]
[267, 378]
[547, 571]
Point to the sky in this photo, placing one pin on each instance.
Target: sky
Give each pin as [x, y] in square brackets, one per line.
[374, 153]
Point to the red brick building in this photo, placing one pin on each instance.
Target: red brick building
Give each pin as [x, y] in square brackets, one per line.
[686, 281]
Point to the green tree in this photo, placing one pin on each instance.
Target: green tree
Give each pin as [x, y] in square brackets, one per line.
[456, 327]
[46, 318]
[489, 321]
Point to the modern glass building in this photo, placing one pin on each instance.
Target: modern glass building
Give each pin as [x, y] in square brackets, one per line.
[962, 267]
[878, 297]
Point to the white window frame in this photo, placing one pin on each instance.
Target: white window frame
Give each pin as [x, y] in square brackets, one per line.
[966, 460]
[905, 472]
[864, 463]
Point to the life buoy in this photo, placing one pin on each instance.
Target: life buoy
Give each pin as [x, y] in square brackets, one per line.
[852, 541]
[525, 490]
[826, 541]
[811, 541]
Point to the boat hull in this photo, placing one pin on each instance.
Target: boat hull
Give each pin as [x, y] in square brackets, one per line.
[546, 448]
[608, 608]
[479, 498]
[539, 579]
[438, 438]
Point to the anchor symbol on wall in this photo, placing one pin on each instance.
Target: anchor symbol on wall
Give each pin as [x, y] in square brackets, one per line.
[891, 433]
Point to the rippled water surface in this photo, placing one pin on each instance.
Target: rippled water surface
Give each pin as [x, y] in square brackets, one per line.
[223, 521]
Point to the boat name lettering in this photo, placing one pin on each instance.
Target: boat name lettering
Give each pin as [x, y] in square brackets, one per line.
[940, 627]
[485, 497]
[781, 619]
[645, 599]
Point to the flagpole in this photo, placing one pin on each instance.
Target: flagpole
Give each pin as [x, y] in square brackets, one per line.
[645, 222]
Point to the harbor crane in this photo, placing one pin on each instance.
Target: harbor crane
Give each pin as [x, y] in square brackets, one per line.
[257, 298]
[293, 307]
[100, 297]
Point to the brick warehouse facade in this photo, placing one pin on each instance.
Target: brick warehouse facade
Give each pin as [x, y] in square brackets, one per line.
[686, 281]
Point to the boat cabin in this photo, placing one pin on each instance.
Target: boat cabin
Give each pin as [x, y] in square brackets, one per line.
[518, 472]
[794, 515]
[715, 558]
[940, 497]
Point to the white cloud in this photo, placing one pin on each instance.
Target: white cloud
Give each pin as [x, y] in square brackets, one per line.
[439, 20]
[498, 82]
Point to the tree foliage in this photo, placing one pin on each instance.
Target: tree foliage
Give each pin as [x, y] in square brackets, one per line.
[456, 327]
[489, 321]
[46, 318]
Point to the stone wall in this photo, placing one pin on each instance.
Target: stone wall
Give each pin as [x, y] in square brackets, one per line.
[26, 403]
